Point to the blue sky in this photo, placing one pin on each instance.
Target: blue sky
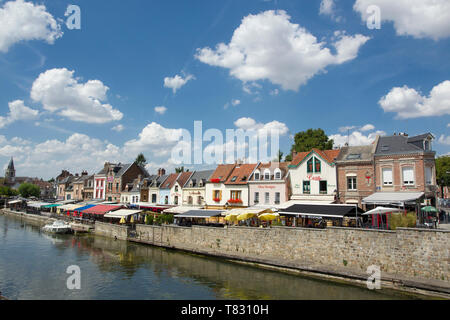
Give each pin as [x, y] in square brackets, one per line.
[132, 47]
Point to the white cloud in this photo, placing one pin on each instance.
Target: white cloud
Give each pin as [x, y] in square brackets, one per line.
[60, 92]
[177, 82]
[18, 111]
[234, 103]
[328, 8]
[367, 127]
[262, 128]
[267, 46]
[417, 18]
[118, 128]
[154, 138]
[160, 109]
[408, 103]
[274, 92]
[444, 140]
[356, 138]
[23, 21]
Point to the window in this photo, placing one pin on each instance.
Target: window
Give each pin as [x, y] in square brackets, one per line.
[323, 187]
[387, 176]
[408, 176]
[217, 194]
[428, 175]
[354, 156]
[267, 174]
[233, 179]
[166, 200]
[190, 200]
[306, 187]
[256, 197]
[154, 198]
[351, 183]
[317, 165]
[277, 173]
[199, 199]
[310, 165]
[235, 195]
[176, 199]
[176, 188]
[117, 187]
[257, 175]
[277, 197]
[266, 198]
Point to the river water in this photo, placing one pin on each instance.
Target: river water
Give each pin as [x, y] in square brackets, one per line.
[33, 266]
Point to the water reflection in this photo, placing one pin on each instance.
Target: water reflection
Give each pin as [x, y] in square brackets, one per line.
[114, 269]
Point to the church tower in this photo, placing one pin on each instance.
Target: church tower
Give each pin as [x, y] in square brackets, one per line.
[10, 173]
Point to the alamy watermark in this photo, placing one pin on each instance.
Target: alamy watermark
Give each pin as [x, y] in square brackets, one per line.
[73, 12]
[74, 280]
[373, 20]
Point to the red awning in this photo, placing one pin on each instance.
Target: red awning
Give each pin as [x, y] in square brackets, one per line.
[101, 209]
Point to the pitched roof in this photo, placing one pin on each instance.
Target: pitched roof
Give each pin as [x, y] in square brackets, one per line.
[283, 166]
[399, 144]
[11, 164]
[197, 177]
[241, 174]
[328, 155]
[169, 181]
[222, 172]
[355, 154]
[183, 178]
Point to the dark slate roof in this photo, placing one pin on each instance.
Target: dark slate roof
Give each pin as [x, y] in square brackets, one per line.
[355, 154]
[199, 214]
[420, 137]
[11, 164]
[123, 169]
[197, 177]
[398, 144]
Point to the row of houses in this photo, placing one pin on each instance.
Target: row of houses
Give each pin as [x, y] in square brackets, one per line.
[390, 165]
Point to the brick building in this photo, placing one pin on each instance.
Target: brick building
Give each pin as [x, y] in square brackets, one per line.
[118, 176]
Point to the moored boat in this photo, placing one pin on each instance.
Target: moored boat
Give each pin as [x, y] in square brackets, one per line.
[57, 227]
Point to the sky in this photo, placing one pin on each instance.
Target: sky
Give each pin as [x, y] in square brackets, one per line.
[127, 77]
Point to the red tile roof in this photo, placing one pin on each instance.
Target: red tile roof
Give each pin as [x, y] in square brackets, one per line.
[170, 181]
[327, 155]
[242, 174]
[183, 178]
[222, 172]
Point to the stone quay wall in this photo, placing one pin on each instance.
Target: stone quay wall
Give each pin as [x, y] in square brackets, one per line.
[407, 253]
[111, 230]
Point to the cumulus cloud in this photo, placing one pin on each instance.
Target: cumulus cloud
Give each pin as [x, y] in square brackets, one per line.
[18, 111]
[409, 103]
[262, 128]
[328, 8]
[234, 103]
[59, 91]
[118, 128]
[160, 109]
[267, 46]
[417, 18]
[356, 137]
[154, 138]
[444, 140]
[23, 21]
[177, 82]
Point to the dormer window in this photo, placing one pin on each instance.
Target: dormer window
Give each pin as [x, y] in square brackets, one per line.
[233, 179]
[267, 174]
[427, 145]
[257, 175]
[277, 174]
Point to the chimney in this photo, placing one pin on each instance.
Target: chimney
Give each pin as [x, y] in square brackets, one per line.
[84, 173]
[161, 172]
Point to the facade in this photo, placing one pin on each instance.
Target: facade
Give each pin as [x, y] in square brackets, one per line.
[118, 176]
[78, 185]
[356, 173]
[165, 189]
[194, 190]
[131, 194]
[269, 184]
[215, 190]
[176, 192]
[153, 189]
[65, 188]
[313, 176]
[406, 164]
[88, 191]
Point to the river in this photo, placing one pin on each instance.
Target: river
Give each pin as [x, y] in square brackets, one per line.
[33, 266]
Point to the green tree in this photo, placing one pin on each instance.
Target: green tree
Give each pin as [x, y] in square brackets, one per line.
[27, 190]
[140, 160]
[280, 156]
[443, 172]
[311, 138]
[7, 191]
[179, 169]
[288, 158]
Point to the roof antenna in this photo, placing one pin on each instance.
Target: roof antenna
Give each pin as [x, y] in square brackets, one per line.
[348, 137]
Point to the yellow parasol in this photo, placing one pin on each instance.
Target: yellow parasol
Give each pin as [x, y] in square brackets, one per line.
[231, 217]
[245, 216]
[146, 219]
[122, 220]
[132, 219]
[269, 216]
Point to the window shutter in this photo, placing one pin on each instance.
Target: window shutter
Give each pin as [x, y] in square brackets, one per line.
[220, 195]
[387, 176]
[408, 175]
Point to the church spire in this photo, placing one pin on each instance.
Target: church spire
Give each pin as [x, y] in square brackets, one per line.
[11, 164]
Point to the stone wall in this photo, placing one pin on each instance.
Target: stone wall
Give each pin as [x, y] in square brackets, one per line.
[111, 230]
[405, 253]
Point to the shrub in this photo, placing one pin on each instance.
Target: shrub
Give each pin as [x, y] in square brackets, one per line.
[402, 221]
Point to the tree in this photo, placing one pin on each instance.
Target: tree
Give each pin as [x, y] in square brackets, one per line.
[27, 190]
[140, 160]
[288, 158]
[7, 191]
[180, 169]
[443, 172]
[311, 138]
[280, 156]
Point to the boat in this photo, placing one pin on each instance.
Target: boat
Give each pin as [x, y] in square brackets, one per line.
[59, 227]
